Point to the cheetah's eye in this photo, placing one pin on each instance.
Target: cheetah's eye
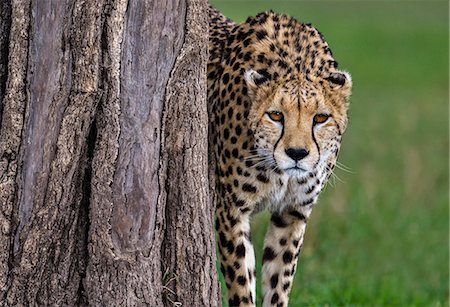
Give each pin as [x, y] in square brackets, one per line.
[320, 118]
[275, 116]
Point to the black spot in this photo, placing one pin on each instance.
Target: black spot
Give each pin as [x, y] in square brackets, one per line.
[261, 34]
[286, 286]
[235, 301]
[237, 265]
[239, 170]
[223, 241]
[217, 224]
[238, 130]
[278, 221]
[261, 177]
[244, 210]
[226, 134]
[240, 251]
[287, 273]
[269, 254]
[297, 214]
[230, 113]
[230, 170]
[229, 188]
[282, 64]
[283, 241]
[310, 189]
[261, 80]
[227, 153]
[235, 153]
[238, 202]
[275, 298]
[261, 59]
[225, 78]
[231, 273]
[287, 257]
[295, 242]
[274, 281]
[261, 168]
[230, 247]
[233, 140]
[241, 280]
[280, 182]
[307, 202]
[246, 187]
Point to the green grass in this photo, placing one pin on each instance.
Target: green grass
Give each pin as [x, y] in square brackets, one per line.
[379, 237]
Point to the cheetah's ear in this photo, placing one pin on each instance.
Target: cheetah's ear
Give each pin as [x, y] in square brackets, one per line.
[254, 79]
[341, 81]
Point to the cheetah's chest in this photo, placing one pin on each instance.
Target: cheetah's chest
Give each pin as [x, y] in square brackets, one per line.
[288, 191]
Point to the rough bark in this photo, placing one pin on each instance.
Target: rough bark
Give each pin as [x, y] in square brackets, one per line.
[103, 154]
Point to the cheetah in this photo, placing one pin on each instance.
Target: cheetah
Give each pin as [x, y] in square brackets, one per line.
[278, 108]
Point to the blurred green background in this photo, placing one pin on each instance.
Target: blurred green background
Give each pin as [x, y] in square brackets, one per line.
[380, 235]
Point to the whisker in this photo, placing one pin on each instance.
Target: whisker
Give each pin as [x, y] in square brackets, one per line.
[344, 168]
[336, 177]
[259, 163]
[253, 157]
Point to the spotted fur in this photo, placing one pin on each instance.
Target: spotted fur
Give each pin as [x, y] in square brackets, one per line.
[278, 109]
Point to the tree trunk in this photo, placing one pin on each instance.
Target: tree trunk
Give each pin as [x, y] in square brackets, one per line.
[104, 187]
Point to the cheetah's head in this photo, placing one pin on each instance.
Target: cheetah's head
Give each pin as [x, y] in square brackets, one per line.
[298, 122]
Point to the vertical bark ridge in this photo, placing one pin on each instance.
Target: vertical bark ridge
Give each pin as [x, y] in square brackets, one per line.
[61, 107]
[132, 235]
[14, 102]
[189, 266]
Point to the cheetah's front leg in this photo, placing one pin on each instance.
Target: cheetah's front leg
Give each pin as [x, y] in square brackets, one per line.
[236, 254]
[282, 245]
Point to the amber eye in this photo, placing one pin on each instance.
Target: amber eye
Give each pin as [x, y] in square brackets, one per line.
[320, 118]
[275, 116]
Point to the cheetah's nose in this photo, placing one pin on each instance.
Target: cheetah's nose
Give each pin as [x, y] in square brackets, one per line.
[296, 153]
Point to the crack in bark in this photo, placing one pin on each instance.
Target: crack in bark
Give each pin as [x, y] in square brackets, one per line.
[5, 28]
[82, 298]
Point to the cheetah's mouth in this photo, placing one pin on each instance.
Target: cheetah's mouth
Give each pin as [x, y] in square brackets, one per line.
[295, 171]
